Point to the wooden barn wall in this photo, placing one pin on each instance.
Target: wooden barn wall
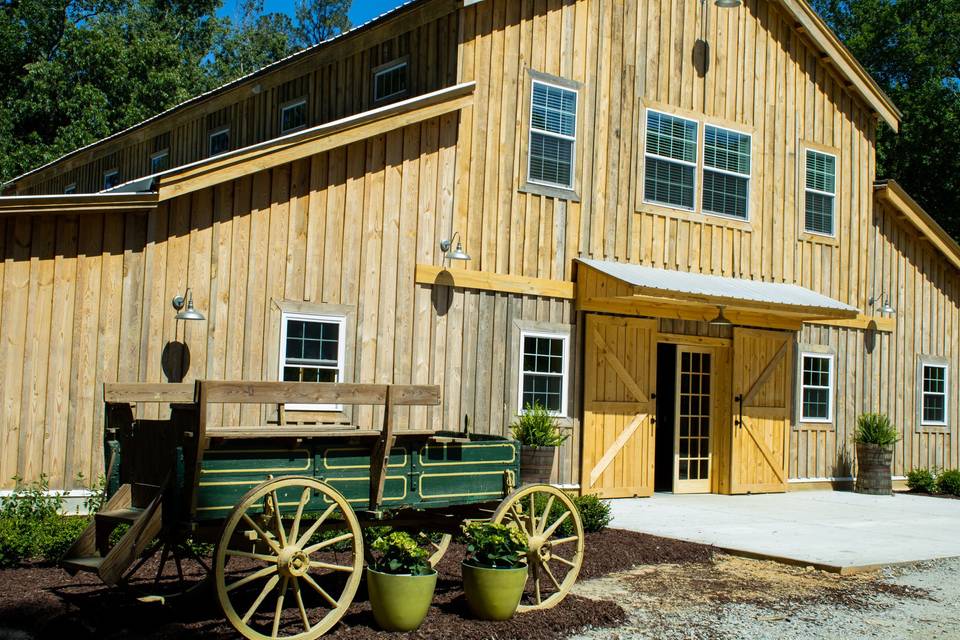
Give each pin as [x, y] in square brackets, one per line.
[337, 82]
[763, 78]
[87, 300]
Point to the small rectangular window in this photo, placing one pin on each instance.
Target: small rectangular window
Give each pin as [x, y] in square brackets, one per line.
[726, 172]
[312, 350]
[293, 116]
[553, 135]
[111, 179]
[70, 188]
[219, 141]
[543, 371]
[160, 161]
[820, 193]
[670, 160]
[390, 81]
[816, 388]
[934, 392]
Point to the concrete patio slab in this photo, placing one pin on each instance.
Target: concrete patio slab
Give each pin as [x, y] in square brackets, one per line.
[831, 530]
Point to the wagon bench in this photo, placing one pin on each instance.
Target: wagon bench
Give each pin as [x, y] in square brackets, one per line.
[285, 505]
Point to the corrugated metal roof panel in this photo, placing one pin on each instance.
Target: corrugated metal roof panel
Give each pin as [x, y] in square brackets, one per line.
[699, 284]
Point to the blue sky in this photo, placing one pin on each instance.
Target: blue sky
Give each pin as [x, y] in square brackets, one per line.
[360, 11]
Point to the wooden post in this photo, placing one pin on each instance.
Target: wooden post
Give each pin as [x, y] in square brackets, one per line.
[380, 457]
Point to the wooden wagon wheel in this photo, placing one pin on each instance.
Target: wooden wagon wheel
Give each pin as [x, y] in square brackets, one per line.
[439, 548]
[170, 567]
[555, 534]
[280, 554]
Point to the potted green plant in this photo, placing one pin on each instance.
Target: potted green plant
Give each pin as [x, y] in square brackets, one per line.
[494, 571]
[539, 436]
[400, 582]
[875, 438]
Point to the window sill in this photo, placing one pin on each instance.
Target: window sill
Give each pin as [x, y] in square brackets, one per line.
[551, 192]
[806, 236]
[708, 219]
[933, 428]
[815, 426]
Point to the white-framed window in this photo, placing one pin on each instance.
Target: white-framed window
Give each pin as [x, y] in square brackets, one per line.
[820, 191]
[816, 387]
[293, 116]
[670, 160]
[219, 141]
[312, 350]
[390, 80]
[111, 178]
[726, 172]
[553, 135]
[70, 188]
[160, 161]
[544, 370]
[933, 393]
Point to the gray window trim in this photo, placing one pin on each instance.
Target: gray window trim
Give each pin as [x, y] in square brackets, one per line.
[403, 61]
[695, 164]
[541, 188]
[836, 179]
[560, 330]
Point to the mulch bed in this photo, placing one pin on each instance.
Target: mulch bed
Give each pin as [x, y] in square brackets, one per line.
[948, 496]
[44, 602]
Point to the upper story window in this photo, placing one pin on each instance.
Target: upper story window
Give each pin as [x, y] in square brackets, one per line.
[70, 188]
[726, 172]
[934, 394]
[293, 116]
[219, 141]
[553, 135]
[543, 371]
[160, 161]
[820, 192]
[312, 350]
[670, 160]
[111, 178]
[390, 81]
[816, 395]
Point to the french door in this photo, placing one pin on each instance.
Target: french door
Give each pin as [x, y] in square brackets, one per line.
[693, 414]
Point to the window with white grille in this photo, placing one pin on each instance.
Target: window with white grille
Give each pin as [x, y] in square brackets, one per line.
[293, 116]
[816, 396]
[543, 371]
[670, 154]
[934, 394]
[820, 193]
[312, 350]
[726, 172]
[553, 135]
[390, 81]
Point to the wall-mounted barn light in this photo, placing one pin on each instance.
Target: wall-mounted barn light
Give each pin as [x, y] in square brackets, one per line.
[721, 320]
[885, 309]
[456, 254]
[189, 313]
[727, 4]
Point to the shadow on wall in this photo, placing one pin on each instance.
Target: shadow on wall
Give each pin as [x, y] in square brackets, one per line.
[175, 361]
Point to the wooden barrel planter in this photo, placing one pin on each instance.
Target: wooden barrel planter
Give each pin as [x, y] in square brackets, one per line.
[536, 464]
[873, 469]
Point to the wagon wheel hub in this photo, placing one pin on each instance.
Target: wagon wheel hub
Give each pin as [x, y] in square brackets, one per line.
[539, 548]
[293, 562]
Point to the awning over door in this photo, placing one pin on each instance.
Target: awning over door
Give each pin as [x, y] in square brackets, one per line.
[631, 289]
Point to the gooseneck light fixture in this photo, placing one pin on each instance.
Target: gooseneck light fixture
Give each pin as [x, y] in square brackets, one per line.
[721, 320]
[456, 254]
[885, 309]
[727, 4]
[189, 313]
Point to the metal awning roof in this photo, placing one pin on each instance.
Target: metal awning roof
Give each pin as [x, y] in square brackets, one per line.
[722, 291]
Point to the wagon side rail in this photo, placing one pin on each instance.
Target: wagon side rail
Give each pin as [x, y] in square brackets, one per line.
[390, 396]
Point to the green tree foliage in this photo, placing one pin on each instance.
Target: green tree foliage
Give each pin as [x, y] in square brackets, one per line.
[912, 48]
[75, 71]
[318, 20]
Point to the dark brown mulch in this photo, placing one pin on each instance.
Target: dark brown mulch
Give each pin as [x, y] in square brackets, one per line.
[45, 602]
[948, 496]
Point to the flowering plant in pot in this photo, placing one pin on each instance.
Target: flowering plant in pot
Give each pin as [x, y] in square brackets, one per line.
[400, 581]
[494, 572]
[539, 436]
[875, 438]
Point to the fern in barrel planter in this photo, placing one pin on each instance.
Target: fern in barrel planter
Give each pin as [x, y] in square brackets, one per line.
[539, 435]
[401, 582]
[875, 439]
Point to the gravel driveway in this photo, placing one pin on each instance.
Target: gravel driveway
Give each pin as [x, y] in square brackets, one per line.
[734, 597]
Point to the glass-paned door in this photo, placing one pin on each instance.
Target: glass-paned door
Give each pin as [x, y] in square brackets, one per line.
[693, 422]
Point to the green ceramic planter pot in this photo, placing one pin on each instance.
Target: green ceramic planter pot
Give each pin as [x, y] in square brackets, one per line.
[400, 603]
[493, 594]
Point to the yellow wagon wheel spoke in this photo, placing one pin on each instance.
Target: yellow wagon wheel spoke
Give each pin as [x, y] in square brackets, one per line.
[329, 560]
[552, 524]
[439, 548]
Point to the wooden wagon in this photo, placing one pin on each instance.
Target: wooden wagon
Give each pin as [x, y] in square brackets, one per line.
[283, 507]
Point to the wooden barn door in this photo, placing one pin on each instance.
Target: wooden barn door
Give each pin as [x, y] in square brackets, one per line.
[761, 410]
[619, 407]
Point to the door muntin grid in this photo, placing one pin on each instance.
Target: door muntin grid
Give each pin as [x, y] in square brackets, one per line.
[693, 416]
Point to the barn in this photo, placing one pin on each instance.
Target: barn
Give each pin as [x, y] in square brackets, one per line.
[659, 219]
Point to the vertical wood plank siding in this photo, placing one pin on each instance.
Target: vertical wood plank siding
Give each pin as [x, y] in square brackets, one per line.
[336, 80]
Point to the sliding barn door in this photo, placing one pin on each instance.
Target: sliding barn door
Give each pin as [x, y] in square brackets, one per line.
[761, 410]
[619, 407]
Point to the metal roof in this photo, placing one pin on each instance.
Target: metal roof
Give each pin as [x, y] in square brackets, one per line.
[732, 289]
